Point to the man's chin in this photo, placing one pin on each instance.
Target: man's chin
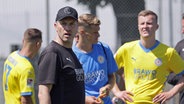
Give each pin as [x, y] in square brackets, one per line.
[145, 35]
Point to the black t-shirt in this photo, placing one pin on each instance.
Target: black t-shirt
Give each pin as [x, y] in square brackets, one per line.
[172, 78]
[60, 67]
[180, 48]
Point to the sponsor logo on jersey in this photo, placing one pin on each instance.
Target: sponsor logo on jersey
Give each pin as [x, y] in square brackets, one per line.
[79, 74]
[158, 61]
[133, 58]
[100, 59]
[92, 77]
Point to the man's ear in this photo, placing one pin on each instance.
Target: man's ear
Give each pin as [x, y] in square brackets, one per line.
[55, 24]
[23, 41]
[157, 26]
[38, 44]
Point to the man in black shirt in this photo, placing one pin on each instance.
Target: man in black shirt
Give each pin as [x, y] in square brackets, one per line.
[60, 74]
[173, 79]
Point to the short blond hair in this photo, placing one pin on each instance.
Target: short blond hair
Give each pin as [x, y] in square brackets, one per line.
[87, 20]
[148, 12]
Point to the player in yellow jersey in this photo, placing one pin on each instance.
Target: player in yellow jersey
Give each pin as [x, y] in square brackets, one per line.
[146, 64]
[18, 75]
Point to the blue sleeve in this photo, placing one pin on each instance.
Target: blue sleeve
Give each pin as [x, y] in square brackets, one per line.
[111, 63]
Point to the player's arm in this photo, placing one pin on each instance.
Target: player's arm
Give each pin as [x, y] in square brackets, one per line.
[44, 94]
[104, 91]
[111, 81]
[122, 94]
[162, 97]
[26, 100]
[178, 87]
[116, 87]
[120, 83]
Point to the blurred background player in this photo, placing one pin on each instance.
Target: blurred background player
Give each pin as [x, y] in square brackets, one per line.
[19, 74]
[173, 78]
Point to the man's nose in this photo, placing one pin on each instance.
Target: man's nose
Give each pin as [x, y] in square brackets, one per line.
[68, 27]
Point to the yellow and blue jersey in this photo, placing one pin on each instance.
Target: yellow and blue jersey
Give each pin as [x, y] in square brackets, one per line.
[18, 78]
[146, 70]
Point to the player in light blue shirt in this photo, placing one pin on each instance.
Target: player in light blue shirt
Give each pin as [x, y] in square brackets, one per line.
[96, 58]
